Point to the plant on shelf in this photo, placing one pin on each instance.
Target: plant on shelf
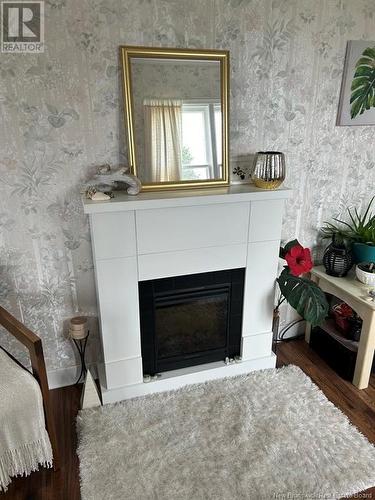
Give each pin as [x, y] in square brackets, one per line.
[301, 293]
[358, 232]
[365, 272]
[368, 267]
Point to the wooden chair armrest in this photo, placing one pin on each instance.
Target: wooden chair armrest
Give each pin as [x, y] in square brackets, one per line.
[18, 330]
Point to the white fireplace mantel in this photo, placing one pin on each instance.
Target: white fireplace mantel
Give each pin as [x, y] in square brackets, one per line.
[162, 234]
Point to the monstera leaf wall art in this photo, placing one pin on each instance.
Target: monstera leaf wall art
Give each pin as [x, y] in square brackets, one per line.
[357, 100]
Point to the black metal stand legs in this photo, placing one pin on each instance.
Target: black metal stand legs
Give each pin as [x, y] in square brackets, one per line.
[81, 348]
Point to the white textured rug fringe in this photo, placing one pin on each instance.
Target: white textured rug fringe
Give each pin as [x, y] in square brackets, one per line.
[24, 460]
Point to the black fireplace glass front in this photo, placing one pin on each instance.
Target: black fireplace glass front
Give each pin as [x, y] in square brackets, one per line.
[178, 334]
[189, 320]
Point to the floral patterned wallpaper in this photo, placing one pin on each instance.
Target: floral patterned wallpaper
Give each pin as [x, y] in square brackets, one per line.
[62, 115]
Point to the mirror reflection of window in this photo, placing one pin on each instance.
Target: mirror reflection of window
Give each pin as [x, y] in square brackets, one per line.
[201, 140]
[183, 139]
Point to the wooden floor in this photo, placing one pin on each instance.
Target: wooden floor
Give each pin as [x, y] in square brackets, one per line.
[359, 406]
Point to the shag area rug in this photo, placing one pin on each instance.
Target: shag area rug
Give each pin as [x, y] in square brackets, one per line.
[269, 434]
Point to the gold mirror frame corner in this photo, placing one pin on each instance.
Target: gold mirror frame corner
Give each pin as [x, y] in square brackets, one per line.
[126, 53]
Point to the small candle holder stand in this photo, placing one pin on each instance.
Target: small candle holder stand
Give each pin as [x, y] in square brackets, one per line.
[79, 334]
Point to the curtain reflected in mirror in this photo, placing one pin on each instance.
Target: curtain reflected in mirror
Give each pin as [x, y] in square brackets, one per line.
[177, 118]
[163, 144]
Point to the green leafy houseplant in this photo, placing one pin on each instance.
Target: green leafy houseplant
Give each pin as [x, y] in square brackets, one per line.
[302, 294]
[363, 84]
[359, 231]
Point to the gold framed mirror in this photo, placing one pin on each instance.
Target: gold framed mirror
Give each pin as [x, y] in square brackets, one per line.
[176, 115]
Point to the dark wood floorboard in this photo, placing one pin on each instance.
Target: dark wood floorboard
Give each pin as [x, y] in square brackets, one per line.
[358, 405]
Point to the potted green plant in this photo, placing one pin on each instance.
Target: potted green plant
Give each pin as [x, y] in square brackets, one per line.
[359, 232]
[365, 272]
[305, 296]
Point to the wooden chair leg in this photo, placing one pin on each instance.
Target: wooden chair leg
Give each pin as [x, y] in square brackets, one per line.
[40, 373]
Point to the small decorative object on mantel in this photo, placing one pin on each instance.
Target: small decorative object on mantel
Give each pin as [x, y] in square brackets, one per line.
[269, 169]
[365, 272]
[106, 179]
[301, 293]
[241, 168]
[337, 258]
[79, 334]
[95, 195]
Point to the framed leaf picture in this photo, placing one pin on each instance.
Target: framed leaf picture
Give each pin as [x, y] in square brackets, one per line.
[357, 98]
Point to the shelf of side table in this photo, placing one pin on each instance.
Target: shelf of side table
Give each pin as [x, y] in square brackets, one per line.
[355, 294]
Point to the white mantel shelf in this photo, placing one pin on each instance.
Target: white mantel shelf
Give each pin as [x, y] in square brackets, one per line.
[184, 197]
[175, 233]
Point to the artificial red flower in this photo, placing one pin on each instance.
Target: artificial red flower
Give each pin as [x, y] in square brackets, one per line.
[299, 260]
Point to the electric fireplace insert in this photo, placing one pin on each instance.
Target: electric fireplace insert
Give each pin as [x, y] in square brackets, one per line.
[190, 320]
